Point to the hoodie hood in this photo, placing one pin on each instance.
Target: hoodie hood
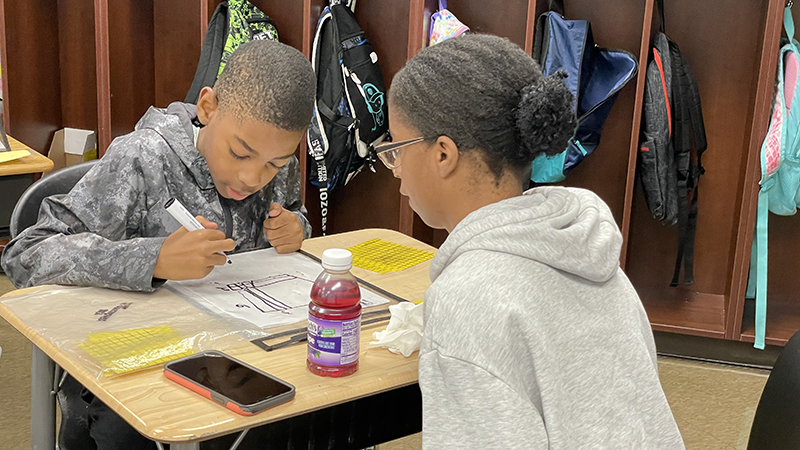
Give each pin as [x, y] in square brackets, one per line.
[569, 229]
[174, 124]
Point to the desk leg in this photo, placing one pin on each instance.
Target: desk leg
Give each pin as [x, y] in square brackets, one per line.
[194, 446]
[43, 405]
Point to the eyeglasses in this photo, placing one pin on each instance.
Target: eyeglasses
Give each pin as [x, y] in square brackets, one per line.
[388, 152]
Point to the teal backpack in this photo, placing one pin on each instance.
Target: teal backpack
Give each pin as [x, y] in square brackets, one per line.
[780, 171]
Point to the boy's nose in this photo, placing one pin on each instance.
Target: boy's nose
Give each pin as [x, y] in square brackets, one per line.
[252, 180]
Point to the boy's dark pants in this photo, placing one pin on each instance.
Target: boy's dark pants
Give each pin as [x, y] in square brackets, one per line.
[87, 423]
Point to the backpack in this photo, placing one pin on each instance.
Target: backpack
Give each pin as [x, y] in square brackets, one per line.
[595, 76]
[672, 141]
[350, 112]
[233, 23]
[445, 25]
[780, 172]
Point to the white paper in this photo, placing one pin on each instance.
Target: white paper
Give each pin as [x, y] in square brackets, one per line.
[262, 287]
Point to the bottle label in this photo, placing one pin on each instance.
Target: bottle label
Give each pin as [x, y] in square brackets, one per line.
[333, 342]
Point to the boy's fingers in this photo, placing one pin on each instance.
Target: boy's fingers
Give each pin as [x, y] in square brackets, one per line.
[275, 210]
[286, 240]
[206, 223]
[210, 235]
[225, 245]
[281, 221]
[217, 259]
[287, 248]
[273, 235]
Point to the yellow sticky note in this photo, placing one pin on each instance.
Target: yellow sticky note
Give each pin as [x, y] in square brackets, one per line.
[10, 156]
[128, 350]
[382, 256]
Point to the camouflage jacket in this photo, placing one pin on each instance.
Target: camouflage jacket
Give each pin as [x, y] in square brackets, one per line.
[108, 231]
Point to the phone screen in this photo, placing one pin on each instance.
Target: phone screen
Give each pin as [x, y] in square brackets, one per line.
[229, 378]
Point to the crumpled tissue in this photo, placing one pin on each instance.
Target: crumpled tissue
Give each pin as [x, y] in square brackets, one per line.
[403, 335]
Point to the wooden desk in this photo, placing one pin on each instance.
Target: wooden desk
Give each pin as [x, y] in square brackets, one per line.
[15, 177]
[167, 412]
[33, 163]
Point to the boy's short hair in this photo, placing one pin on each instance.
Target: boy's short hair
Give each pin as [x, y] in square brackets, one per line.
[269, 82]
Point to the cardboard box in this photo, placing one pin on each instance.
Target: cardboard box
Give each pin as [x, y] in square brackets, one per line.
[72, 146]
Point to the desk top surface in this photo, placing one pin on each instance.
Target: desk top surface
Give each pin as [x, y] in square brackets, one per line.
[167, 412]
[33, 163]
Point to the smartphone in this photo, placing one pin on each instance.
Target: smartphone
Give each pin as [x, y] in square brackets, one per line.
[237, 386]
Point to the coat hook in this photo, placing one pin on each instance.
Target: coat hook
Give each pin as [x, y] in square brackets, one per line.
[789, 3]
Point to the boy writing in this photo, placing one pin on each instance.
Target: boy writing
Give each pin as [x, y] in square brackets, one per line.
[229, 159]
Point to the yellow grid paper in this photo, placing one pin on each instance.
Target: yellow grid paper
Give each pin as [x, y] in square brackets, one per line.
[128, 350]
[382, 256]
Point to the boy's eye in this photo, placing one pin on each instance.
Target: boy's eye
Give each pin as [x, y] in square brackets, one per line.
[235, 156]
[277, 166]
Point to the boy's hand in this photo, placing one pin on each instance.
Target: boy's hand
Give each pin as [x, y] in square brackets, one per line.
[192, 255]
[283, 229]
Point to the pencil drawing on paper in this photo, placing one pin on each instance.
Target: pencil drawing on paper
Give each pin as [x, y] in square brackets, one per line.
[261, 287]
[257, 292]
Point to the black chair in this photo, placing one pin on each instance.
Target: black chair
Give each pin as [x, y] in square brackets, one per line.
[59, 182]
[777, 421]
[25, 214]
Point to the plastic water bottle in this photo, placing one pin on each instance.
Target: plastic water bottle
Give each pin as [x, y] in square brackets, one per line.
[334, 317]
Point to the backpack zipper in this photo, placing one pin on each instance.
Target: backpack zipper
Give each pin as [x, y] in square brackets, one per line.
[657, 58]
[612, 93]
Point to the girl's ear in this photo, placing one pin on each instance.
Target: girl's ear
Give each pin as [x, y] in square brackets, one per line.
[446, 153]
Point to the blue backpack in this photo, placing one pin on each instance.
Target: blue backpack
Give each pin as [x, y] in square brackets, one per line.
[594, 76]
[780, 171]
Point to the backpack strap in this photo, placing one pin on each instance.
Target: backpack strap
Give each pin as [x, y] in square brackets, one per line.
[660, 4]
[690, 143]
[761, 250]
[211, 53]
[757, 283]
[442, 5]
[556, 5]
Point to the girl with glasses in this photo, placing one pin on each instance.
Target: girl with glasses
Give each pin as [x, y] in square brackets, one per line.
[534, 337]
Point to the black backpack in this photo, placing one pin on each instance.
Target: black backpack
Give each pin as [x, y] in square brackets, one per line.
[673, 139]
[350, 112]
[233, 23]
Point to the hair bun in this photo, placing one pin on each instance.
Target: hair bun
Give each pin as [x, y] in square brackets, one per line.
[545, 118]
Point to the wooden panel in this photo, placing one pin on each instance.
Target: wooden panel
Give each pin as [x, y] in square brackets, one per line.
[507, 18]
[131, 50]
[419, 26]
[633, 151]
[77, 61]
[783, 286]
[101, 34]
[606, 170]
[783, 320]
[727, 102]
[418, 38]
[33, 163]
[31, 75]
[3, 61]
[685, 311]
[176, 47]
[288, 17]
[749, 194]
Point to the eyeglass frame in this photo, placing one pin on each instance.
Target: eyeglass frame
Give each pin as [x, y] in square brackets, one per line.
[383, 148]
